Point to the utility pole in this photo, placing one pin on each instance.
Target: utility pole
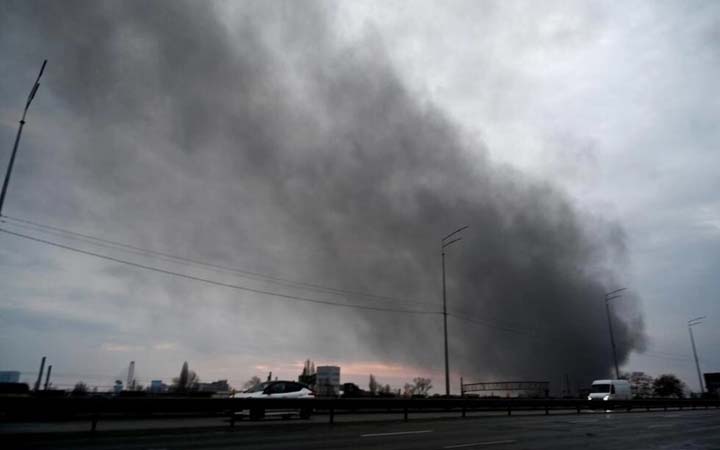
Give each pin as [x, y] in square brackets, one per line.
[17, 138]
[131, 376]
[692, 323]
[47, 377]
[611, 296]
[568, 391]
[444, 243]
[40, 374]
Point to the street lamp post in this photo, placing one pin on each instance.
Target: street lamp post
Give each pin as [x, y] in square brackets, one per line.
[611, 296]
[17, 137]
[692, 323]
[444, 243]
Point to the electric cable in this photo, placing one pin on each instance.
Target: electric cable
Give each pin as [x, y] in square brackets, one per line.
[107, 243]
[214, 282]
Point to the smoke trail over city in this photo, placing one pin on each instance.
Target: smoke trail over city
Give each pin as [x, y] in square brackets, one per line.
[251, 133]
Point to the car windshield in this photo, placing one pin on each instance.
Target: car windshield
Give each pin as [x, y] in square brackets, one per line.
[258, 387]
[600, 388]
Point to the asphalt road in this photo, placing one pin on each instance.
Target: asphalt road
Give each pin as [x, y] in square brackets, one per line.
[676, 430]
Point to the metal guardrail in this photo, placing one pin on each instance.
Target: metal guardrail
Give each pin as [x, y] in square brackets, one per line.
[95, 408]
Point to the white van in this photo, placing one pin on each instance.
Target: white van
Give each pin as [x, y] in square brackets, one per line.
[610, 390]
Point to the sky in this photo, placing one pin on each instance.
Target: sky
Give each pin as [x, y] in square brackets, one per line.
[315, 153]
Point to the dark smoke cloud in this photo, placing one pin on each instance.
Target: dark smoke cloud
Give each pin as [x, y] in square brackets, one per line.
[264, 139]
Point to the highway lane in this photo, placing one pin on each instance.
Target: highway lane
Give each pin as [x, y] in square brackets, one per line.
[691, 430]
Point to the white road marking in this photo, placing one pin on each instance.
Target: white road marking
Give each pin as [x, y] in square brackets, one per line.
[397, 433]
[671, 415]
[584, 421]
[711, 427]
[665, 425]
[472, 444]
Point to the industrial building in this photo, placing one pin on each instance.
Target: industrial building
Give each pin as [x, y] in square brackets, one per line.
[328, 381]
[9, 376]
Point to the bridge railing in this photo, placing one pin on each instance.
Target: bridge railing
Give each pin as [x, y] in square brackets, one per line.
[95, 408]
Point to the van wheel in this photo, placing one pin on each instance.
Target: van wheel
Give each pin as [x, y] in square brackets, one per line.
[305, 413]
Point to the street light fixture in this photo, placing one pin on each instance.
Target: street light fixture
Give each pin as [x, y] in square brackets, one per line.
[612, 295]
[445, 243]
[692, 323]
[17, 138]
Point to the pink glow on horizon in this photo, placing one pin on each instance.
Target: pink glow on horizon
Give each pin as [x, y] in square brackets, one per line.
[358, 372]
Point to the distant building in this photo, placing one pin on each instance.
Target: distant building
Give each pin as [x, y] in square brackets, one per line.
[157, 386]
[506, 389]
[328, 381]
[352, 390]
[712, 382]
[9, 376]
[215, 386]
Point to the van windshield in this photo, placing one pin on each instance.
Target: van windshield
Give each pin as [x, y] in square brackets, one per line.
[600, 389]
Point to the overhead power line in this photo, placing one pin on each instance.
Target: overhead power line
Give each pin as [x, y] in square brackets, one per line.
[492, 325]
[215, 282]
[676, 355]
[661, 356]
[133, 249]
[248, 274]
[258, 291]
[475, 321]
[129, 248]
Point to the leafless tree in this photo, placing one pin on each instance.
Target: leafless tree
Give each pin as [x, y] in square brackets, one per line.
[80, 388]
[668, 385]
[251, 383]
[421, 386]
[373, 385]
[641, 384]
[187, 381]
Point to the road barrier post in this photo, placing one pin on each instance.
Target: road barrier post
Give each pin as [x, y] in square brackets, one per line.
[332, 415]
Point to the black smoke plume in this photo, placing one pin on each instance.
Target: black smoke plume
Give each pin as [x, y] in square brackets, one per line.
[250, 132]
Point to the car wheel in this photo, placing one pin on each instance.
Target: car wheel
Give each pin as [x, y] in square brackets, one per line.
[257, 413]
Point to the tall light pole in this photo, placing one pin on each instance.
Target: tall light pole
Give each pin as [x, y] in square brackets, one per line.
[17, 138]
[611, 296]
[445, 243]
[692, 323]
